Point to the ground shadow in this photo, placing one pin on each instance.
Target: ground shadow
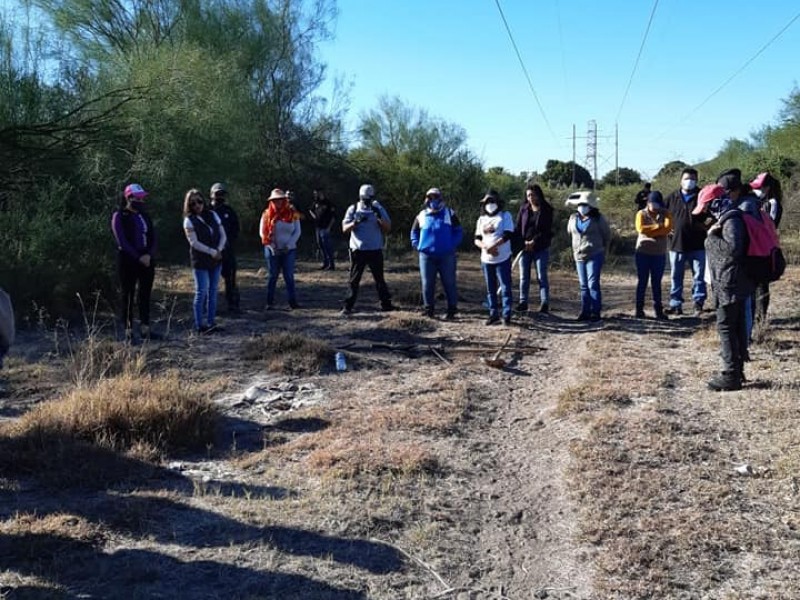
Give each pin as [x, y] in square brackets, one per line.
[85, 570]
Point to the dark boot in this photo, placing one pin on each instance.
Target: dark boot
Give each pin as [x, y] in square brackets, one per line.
[660, 314]
[725, 382]
[640, 310]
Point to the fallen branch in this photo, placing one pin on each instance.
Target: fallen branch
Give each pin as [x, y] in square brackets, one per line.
[442, 358]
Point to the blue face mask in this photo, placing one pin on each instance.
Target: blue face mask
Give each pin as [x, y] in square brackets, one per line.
[435, 204]
[584, 209]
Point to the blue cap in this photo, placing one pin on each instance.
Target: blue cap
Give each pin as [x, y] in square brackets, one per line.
[655, 198]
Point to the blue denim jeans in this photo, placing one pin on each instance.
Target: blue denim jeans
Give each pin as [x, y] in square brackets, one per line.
[493, 274]
[589, 281]
[205, 296]
[677, 266]
[325, 247]
[649, 267]
[280, 262]
[445, 266]
[540, 260]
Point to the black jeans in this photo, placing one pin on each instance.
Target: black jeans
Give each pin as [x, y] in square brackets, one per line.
[131, 273]
[732, 330]
[359, 259]
[229, 276]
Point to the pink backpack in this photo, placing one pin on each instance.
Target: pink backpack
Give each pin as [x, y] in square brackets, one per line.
[764, 261]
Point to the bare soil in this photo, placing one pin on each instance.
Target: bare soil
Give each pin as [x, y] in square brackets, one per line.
[594, 465]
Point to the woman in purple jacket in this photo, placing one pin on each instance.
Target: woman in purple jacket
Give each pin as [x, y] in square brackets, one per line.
[136, 246]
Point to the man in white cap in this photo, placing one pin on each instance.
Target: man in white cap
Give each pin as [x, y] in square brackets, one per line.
[436, 234]
[367, 222]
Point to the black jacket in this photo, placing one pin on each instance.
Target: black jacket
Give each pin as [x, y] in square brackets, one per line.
[535, 225]
[688, 230]
[230, 221]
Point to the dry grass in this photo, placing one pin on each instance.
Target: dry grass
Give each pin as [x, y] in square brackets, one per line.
[616, 375]
[655, 483]
[411, 324]
[77, 438]
[374, 432]
[289, 352]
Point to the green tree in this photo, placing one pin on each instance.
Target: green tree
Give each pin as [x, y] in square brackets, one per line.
[621, 176]
[404, 151]
[559, 174]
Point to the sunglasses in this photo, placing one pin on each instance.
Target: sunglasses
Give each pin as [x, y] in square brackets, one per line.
[196, 203]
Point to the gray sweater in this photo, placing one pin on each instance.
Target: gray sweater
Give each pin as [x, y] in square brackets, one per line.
[595, 239]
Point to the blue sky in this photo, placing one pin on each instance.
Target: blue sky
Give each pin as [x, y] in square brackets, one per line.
[454, 59]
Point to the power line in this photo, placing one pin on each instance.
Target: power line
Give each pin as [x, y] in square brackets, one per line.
[732, 77]
[525, 71]
[638, 56]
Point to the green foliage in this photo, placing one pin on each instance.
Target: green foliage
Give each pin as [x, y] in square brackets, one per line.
[510, 187]
[405, 151]
[621, 176]
[561, 174]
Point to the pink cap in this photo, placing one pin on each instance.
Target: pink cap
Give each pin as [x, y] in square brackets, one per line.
[134, 190]
[707, 195]
[759, 180]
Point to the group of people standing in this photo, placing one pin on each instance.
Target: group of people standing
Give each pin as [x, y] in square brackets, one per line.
[693, 228]
[706, 230]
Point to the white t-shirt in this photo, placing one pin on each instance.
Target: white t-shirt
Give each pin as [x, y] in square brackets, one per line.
[491, 229]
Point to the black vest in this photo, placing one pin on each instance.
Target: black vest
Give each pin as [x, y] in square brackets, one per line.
[207, 231]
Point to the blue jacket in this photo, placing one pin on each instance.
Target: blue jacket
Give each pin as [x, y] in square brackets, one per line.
[436, 233]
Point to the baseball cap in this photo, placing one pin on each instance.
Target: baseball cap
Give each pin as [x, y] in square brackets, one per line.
[758, 182]
[655, 198]
[366, 192]
[134, 190]
[707, 195]
[730, 179]
[434, 191]
[218, 187]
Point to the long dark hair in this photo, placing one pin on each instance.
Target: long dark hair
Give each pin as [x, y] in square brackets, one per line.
[191, 195]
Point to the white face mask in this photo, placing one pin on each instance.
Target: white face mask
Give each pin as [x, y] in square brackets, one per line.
[584, 209]
[759, 193]
[688, 184]
[491, 208]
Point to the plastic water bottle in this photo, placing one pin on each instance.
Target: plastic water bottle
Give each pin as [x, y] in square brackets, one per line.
[341, 364]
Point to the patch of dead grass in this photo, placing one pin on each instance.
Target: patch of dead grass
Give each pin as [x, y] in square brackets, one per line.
[376, 432]
[143, 416]
[411, 324]
[288, 352]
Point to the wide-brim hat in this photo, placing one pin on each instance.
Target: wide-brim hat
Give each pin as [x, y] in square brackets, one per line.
[277, 194]
[583, 197]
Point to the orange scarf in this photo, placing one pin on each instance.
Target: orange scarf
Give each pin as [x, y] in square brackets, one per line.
[272, 215]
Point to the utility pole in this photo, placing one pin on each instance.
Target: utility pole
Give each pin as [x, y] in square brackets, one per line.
[574, 158]
[616, 149]
[591, 151]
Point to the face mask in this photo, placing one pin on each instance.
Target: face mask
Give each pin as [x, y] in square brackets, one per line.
[584, 209]
[759, 193]
[688, 184]
[435, 204]
[491, 208]
[719, 207]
